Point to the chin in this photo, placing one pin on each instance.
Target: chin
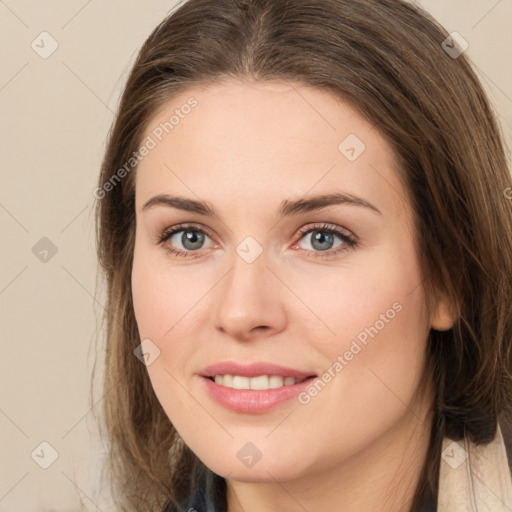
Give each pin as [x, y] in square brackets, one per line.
[261, 471]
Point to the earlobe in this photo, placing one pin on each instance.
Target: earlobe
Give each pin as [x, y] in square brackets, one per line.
[443, 316]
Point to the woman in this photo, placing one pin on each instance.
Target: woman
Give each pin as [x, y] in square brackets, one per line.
[305, 229]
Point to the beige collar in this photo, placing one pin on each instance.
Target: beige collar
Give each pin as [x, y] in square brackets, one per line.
[474, 478]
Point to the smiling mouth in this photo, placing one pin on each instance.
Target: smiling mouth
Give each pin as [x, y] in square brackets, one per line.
[261, 382]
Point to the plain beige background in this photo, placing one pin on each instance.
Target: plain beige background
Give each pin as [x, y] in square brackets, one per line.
[55, 113]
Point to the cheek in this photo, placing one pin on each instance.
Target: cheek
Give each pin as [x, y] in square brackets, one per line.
[169, 306]
[376, 354]
[379, 297]
[163, 296]
[159, 303]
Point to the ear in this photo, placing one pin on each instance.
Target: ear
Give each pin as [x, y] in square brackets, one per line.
[443, 316]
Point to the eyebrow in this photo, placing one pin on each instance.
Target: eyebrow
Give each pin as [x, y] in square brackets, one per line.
[288, 207]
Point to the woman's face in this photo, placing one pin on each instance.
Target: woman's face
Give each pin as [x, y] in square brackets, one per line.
[265, 279]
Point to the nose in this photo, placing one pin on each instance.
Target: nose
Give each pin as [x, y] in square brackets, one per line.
[250, 301]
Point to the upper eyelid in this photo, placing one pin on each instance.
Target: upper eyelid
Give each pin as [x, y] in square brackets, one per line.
[325, 226]
[171, 231]
[179, 227]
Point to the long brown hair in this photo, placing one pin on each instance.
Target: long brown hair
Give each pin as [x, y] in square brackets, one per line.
[388, 60]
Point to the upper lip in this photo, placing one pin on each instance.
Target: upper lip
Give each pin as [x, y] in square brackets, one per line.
[253, 370]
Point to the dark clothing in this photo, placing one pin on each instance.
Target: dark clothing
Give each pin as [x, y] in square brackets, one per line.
[197, 503]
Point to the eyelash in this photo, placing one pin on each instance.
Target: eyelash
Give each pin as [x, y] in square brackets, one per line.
[349, 241]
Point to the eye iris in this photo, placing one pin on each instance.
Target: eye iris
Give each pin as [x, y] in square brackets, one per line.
[320, 236]
[192, 236]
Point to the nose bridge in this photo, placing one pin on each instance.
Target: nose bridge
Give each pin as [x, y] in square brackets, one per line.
[250, 295]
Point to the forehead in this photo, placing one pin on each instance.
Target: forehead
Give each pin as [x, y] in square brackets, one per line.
[262, 111]
[261, 138]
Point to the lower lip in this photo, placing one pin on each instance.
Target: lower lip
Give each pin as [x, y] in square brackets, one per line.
[252, 401]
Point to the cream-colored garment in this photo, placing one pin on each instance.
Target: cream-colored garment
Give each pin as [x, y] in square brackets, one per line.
[474, 478]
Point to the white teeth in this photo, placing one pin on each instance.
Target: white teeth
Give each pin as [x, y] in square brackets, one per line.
[275, 382]
[240, 382]
[227, 380]
[262, 382]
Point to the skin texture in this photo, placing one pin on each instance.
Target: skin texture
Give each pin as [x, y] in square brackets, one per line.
[246, 147]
